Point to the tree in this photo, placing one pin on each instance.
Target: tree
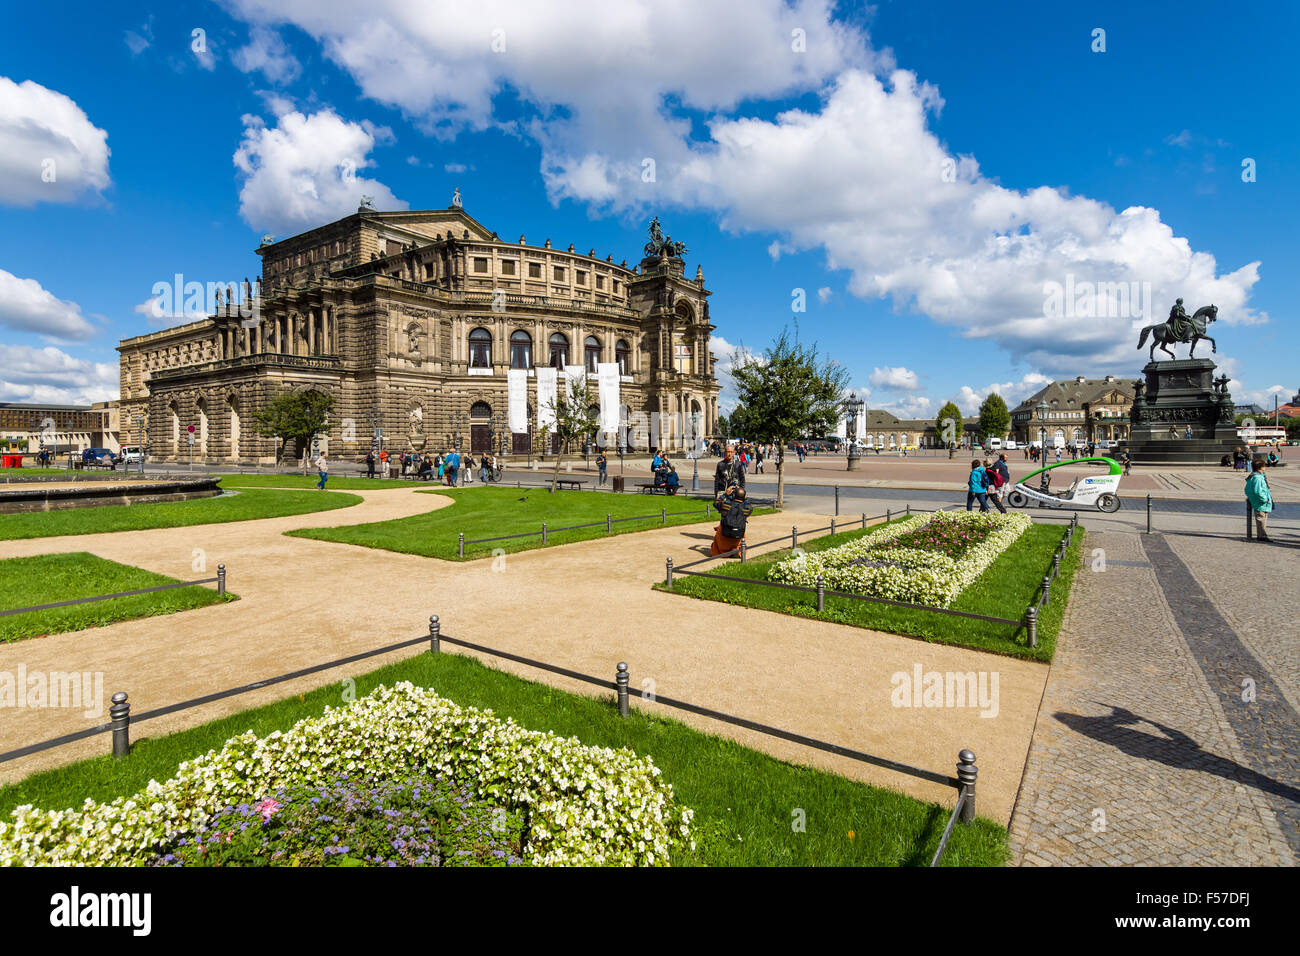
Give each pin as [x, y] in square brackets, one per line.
[573, 420]
[293, 415]
[995, 418]
[788, 392]
[948, 426]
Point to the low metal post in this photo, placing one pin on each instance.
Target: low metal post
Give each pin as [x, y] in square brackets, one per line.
[889, 515]
[120, 713]
[1148, 512]
[663, 516]
[668, 577]
[821, 594]
[794, 536]
[1031, 626]
[837, 499]
[967, 774]
[460, 545]
[1047, 590]
[1250, 530]
[1056, 566]
[907, 509]
[832, 526]
[609, 524]
[622, 681]
[435, 634]
[221, 579]
[864, 521]
[742, 550]
[543, 533]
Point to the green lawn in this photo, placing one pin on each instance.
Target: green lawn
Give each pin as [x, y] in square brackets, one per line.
[289, 479]
[1004, 590]
[245, 506]
[25, 582]
[488, 512]
[745, 801]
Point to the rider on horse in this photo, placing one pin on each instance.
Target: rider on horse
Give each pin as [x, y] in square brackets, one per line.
[1180, 324]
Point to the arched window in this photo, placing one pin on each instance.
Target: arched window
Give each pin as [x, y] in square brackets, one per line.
[480, 410]
[559, 343]
[480, 348]
[521, 349]
[623, 356]
[591, 348]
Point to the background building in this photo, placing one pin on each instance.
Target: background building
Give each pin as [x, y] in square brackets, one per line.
[59, 428]
[411, 321]
[1078, 411]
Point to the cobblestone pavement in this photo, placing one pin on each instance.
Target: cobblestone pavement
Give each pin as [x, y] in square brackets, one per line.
[1144, 751]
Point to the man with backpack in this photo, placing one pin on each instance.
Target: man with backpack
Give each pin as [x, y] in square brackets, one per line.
[735, 512]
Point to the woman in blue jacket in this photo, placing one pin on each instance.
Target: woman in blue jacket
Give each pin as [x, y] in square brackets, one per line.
[978, 487]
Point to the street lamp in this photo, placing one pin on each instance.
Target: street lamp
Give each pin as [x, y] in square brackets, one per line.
[1043, 408]
[852, 407]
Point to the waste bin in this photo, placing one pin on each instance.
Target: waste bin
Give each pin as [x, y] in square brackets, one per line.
[618, 483]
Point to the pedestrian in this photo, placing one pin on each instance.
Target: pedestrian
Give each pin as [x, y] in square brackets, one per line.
[1188, 434]
[993, 482]
[655, 462]
[758, 460]
[602, 462]
[467, 469]
[1058, 453]
[323, 468]
[484, 464]
[1259, 497]
[453, 466]
[1239, 458]
[977, 487]
[370, 463]
[728, 473]
[1127, 462]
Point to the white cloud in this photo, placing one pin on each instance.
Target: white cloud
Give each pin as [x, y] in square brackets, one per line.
[303, 172]
[726, 355]
[969, 399]
[26, 306]
[896, 378]
[824, 294]
[139, 41]
[267, 53]
[859, 175]
[50, 151]
[156, 314]
[910, 406]
[454, 168]
[49, 375]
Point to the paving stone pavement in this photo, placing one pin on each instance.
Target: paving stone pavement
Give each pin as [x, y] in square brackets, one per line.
[1144, 752]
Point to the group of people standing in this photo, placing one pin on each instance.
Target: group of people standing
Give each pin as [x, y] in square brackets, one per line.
[989, 481]
[451, 468]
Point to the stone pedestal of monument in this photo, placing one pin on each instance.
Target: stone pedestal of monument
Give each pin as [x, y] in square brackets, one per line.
[1176, 396]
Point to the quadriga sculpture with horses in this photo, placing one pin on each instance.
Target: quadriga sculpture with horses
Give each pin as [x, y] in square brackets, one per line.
[1181, 328]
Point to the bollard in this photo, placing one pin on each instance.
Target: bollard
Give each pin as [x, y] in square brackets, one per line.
[742, 550]
[622, 681]
[1047, 590]
[821, 594]
[460, 546]
[1148, 512]
[837, 499]
[1056, 566]
[221, 579]
[864, 521]
[1031, 626]
[120, 713]
[794, 536]
[668, 577]
[543, 534]
[907, 509]
[435, 634]
[967, 773]
[1250, 531]
[663, 516]
[832, 526]
[609, 524]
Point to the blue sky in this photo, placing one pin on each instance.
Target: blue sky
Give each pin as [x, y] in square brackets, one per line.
[924, 172]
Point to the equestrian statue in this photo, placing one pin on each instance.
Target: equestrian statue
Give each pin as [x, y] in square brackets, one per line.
[1181, 328]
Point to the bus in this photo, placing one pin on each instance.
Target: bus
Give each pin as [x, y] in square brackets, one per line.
[1261, 434]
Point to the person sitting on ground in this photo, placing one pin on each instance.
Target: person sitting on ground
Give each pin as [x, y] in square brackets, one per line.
[1273, 458]
[735, 512]
[1225, 461]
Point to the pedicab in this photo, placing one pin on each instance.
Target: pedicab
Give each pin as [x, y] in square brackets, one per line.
[1086, 491]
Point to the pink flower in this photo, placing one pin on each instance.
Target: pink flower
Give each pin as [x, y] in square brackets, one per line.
[266, 808]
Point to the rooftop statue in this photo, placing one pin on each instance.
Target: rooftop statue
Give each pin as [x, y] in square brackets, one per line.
[1181, 328]
[661, 245]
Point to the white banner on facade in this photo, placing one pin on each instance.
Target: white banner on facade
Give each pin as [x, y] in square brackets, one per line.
[608, 376]
[517, 399]
[574, 376]
[545, 398]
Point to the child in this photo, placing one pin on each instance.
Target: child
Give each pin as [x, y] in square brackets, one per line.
[977, 487]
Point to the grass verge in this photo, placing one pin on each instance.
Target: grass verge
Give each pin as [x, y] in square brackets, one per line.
[246, 506]
[489, 512]
[48, 578]
[744, 801]
[1003, 590]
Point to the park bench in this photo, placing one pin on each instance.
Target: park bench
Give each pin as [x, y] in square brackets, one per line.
[574, 483]
[650, 488]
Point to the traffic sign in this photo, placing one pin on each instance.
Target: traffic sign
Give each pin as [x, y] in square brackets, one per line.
[190, 429]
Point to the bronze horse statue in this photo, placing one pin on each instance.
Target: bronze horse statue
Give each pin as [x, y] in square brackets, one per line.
[1194, 326]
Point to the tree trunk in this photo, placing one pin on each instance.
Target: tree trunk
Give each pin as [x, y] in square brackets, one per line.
[555, 475]
[780, 478]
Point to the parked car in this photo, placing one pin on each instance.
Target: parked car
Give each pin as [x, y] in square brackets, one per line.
[99, 456]
[132, 454]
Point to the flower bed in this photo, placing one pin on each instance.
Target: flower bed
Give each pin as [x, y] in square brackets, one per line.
[585, 805]
[924, 559]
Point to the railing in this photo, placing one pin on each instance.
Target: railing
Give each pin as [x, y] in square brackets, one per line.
[119, 724]
[320, 362]
[219, 580]
[545, 532]
[1029, 621]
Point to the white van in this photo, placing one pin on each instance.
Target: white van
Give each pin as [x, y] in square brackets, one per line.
[995, 444]
[132, 454]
